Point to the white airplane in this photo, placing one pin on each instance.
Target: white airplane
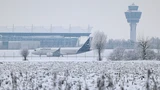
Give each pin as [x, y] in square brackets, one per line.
[57, 52]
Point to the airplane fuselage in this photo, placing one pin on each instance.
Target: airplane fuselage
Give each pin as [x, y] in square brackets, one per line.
[63, 51]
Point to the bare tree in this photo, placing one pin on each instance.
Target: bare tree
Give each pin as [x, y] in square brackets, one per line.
[143, 44]
[24, 53]
[99, 43]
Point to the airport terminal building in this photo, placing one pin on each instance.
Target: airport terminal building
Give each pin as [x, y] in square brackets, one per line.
[17, 37]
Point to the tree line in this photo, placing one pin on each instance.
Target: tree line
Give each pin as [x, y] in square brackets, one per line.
[128, 44]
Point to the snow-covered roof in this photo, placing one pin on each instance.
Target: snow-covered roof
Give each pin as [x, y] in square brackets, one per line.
[45, 29]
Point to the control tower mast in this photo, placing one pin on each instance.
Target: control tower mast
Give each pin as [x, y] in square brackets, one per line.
[133, 16]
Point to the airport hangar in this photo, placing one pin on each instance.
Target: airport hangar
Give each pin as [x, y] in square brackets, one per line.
[31, 37]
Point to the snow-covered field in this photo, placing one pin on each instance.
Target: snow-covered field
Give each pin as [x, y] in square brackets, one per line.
[75, 72]
[54, 75]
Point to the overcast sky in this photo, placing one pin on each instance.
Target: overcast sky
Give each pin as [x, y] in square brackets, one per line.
[104, 15]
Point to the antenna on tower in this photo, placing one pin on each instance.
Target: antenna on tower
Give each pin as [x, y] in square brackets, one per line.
[13, 28]
[51, 29]
[88, 28]
[32, 28]
[70, 27]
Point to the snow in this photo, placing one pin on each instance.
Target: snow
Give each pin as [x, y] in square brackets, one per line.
[41, 74]
[59, 73]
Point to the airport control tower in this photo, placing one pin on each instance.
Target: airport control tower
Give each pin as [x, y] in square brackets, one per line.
[133, 16]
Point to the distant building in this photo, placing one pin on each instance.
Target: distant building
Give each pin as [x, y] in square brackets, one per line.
[133, 16]
[32, 37]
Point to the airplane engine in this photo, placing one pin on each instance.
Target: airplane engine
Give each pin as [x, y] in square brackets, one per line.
[50, 54]
[54, 54]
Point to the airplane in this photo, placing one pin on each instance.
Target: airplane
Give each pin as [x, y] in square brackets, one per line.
[57, 52]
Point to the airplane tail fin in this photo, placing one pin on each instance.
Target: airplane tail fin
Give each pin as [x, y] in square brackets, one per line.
[85, 47]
